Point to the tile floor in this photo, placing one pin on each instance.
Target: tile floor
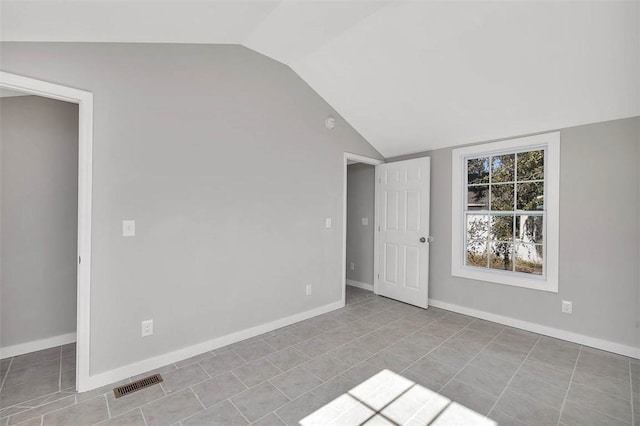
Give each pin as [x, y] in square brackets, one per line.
[512, 376]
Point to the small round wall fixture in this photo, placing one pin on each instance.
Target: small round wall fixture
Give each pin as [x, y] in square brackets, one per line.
[330, 123]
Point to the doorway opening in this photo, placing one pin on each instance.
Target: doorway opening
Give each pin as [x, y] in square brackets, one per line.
[78, 207]
[359, 224]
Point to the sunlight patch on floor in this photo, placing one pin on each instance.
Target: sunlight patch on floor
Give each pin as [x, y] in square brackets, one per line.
[388, 398]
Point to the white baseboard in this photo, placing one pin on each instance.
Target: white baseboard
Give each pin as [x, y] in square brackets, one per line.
[358, 284]
[569, 336]
[112, 376]
[37, 345]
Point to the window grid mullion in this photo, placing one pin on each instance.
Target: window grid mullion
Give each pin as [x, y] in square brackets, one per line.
[490, 202]
[491, 214]
[515, 208]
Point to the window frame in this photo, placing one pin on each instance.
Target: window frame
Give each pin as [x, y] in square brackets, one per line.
[548, 281]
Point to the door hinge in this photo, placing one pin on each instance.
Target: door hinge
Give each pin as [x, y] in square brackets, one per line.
[378, 228]
[79, 260]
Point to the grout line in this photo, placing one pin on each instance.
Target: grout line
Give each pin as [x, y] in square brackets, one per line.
[443, 342]
[205, 372]
[263, 417]
[238, 410]
[243, 383]
[473, 358]
[144, 419]
[50, 412]
[238, 379]
[386, 347]
[595, 408]
[289, 400]
[566, 395]
[278, 417]
[106, 401]
[633, 413]
[197, 397]
[6, 373]
[515, 374]
[60, 372]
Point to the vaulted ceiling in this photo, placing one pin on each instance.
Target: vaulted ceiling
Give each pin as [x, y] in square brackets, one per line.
[408, 75]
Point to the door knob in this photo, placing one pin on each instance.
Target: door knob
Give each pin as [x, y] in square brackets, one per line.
[423, 240]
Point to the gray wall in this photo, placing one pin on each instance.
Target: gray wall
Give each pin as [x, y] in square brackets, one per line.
[360, 203]
[222, 158]
[599, 239]
[39, 205]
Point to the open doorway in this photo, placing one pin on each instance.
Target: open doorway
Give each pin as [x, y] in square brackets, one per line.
[47, 139]
[359, 254]
[38, 233]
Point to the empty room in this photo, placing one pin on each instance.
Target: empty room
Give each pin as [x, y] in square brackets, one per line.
[316, 212]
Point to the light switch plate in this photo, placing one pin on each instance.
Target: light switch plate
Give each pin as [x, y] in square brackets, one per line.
[327, 223]
[365, 221]
[128, 228]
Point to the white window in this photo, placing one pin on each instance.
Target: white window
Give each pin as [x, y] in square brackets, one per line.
[505, 212]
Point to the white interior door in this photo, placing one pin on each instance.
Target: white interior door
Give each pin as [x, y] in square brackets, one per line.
[402, 267]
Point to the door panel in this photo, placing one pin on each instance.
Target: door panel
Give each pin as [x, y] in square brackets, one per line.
[391, 210]
[402, 269]
[391, 263]
[414, 211]
[412, 260]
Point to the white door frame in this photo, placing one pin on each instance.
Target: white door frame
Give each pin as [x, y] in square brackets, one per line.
[84, 100]
[366, 160]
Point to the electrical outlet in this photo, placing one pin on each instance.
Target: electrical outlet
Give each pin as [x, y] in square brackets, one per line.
[147, 328]
[128, 228]
[352, 266]
[309, 289]
[327, 223]
[567, 307]
[365, 221]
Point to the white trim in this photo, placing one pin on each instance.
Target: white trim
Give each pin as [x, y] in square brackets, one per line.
[557, 333]
[376, 236]
[359, 284]
[551, 142]
[366, 160]
[149, 364]
[37, 345]
[84, 100]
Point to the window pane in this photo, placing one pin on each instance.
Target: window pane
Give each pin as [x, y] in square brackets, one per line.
[502, 197]
[529, 258]
[531, 196]
[502, 228]
[529, 229]
[478, 170]
[502, 168]
[531, 165]
[501, 256]
[478, 197]
[477, 227]
[477, 254]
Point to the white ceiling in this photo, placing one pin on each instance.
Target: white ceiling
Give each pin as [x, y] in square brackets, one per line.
[408, 75]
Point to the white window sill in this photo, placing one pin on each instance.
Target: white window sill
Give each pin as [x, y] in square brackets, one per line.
[535, 282]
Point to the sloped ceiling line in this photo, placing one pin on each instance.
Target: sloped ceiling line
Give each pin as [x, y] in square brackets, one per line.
[410, 76]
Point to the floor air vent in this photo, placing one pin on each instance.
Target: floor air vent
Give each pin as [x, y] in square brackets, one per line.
[137, 385]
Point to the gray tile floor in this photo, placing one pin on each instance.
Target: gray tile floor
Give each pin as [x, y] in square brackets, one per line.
[512, 376]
